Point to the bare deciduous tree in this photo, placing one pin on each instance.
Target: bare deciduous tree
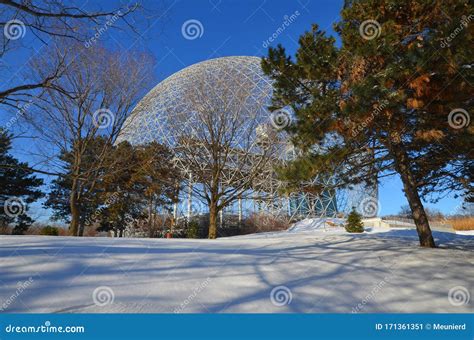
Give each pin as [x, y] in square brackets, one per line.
[224, 139]
[99, 88]
[46, 21]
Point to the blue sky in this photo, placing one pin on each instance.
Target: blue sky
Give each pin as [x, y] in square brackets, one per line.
[227, 27]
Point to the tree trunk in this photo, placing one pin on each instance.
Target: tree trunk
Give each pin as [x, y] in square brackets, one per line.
[213, 220]
[75, 214]
[80, 232]
[150, 215]
[402, 165]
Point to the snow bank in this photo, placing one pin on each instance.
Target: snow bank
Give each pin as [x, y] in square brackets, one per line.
[318, 224]
[371, 226]
[465, 232]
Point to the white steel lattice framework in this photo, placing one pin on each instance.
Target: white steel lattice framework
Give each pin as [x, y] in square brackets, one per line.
[171, 113]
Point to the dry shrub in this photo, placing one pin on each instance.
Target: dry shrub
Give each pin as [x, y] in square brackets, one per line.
[36, 228]
[63, 231]
[5, 230]
[461, 222]
[33, 230]
[158, 227]
[261, 223]
[89, 231]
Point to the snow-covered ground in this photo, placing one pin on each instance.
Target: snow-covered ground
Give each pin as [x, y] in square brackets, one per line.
[311, 268]
[465, 232]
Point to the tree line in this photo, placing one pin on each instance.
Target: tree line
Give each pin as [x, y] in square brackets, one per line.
[129, 186]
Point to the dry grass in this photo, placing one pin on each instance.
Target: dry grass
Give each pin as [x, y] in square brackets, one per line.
[461, 223]
[261, 223]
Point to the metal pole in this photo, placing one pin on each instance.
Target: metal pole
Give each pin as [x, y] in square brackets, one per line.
[175, 205]
[240, 210]
[289, 205]
[190, 196]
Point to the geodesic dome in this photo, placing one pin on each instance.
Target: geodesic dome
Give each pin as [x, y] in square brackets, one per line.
[169, 114]
[157, 114]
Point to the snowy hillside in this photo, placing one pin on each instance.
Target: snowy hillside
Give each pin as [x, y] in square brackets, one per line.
[318, 224]
[294, 271]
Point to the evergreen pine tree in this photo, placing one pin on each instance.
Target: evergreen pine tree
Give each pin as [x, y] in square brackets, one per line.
[354, 222]
[18, 187]
[395, 97]
[22, 224]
